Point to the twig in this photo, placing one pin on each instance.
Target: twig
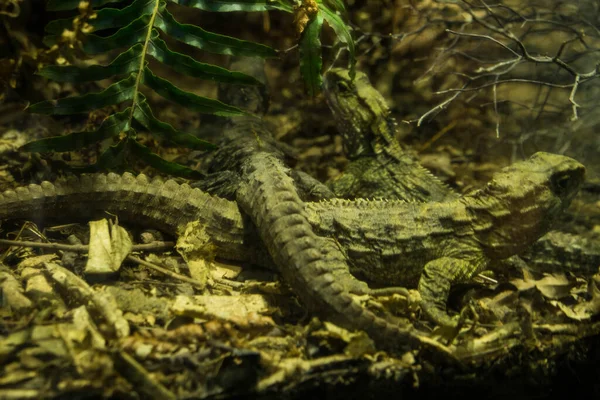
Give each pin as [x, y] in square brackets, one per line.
[514, 30]
[167, 272]
[83, 248]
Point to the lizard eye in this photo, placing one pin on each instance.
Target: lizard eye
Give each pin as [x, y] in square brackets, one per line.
[342, 86]
[561, 183]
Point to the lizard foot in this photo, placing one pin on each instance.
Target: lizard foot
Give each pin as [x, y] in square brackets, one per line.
[434, 287]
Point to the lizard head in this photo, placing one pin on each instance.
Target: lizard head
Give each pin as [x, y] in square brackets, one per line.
[360, 111]
[251, 98]
[523, 200]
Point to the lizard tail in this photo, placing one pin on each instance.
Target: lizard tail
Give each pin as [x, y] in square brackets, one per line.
[164, 205]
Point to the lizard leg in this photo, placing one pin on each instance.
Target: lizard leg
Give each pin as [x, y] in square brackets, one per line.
[223, 184]
[346, 185]
[339, 269]
[309, 188]
[434, 286]
[351, 283]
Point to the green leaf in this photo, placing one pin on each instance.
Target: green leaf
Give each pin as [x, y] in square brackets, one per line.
[112, 158]
[194, 102]
[310, 55]
[143, 153]
[61, 5]
[235, 5]
[186, 65]
[135, 32]
[107, 18]
[134, 29]
[208, 41]
[111, 126]
[143, 115]
[115, 94]
[125, 63]
[341, 30]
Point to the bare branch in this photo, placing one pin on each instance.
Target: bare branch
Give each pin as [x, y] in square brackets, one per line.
[518, 32]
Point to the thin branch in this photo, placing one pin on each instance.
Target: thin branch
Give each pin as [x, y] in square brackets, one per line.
[508, 28]
[83, 248]
[167, 272]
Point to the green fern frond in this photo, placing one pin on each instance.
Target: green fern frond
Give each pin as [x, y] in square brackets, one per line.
[136, 35]
[137, 30]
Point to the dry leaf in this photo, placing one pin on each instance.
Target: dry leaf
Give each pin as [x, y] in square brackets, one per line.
[108, 247]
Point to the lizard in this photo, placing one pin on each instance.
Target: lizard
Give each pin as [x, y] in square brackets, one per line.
[379, 166]
[378, 163]
[429, 245]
